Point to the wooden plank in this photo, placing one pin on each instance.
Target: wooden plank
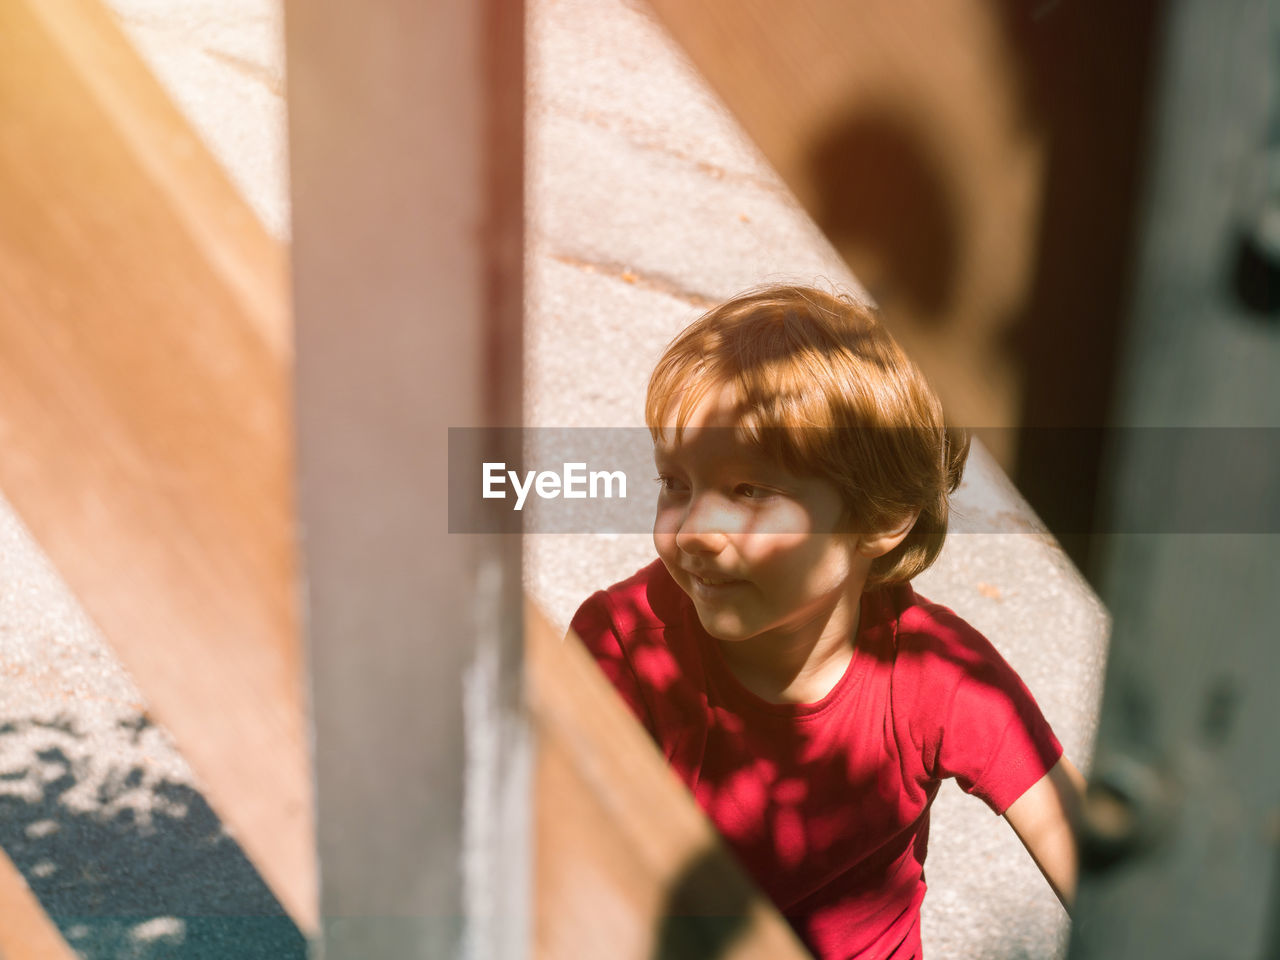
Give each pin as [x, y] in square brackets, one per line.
[144, 412]
[27, 933]
[406, 152]
[626, 865]
[901, 127]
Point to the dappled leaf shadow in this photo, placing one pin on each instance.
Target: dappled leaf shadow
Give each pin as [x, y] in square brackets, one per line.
[128, 864]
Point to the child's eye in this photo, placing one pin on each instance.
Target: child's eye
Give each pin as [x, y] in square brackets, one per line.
[750, 491]
[669, 483]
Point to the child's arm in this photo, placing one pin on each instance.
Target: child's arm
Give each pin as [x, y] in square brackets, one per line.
[1042, 819]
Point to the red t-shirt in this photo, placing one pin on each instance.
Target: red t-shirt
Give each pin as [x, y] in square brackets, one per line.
[826, 804]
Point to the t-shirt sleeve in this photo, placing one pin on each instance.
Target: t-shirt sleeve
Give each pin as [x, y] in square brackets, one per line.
[973, 718]
[595, 628]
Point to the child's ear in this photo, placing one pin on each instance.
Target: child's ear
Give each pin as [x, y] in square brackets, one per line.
[872, 545]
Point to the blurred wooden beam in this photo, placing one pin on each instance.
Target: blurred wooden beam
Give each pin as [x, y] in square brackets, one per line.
[407, 160]
[27, 933]
[144, 412]
[626, 865]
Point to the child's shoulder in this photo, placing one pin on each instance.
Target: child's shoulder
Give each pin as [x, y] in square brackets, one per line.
[926, 628]
[648, 599]
[965, 708]
[937, 653]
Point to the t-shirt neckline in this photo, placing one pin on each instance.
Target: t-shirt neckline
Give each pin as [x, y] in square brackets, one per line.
[870, 618]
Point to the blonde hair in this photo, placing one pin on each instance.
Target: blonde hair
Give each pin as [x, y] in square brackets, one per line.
[824, 389]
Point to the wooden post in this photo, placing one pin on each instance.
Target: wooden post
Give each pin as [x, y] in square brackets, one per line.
[627, 867]
[406, 141]
[27, 932]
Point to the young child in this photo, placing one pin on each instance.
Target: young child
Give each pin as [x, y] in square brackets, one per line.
[776, 652]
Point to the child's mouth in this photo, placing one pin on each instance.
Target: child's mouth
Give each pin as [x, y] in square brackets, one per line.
[714, 583]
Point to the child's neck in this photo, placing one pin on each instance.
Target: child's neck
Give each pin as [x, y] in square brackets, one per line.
[803, 665]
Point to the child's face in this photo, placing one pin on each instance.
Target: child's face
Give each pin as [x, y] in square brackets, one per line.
[754, 546]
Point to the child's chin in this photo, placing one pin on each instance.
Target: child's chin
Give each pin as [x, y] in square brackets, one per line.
[727, 629]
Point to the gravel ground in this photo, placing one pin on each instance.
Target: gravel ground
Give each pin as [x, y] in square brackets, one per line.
[646, 203]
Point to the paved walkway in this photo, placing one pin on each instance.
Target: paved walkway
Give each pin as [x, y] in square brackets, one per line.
[646, 204]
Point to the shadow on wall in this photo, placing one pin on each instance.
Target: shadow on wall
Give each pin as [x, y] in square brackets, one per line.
[886, 195]
[890, 198]
[130, 866]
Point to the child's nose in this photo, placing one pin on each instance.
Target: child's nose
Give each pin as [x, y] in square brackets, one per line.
[706, 526]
